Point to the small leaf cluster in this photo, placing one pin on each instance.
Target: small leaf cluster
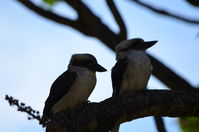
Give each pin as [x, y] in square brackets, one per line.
[51, 2]
[32, 114]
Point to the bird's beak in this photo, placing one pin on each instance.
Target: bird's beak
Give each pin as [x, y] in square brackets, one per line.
[97, 67]
[148, 44]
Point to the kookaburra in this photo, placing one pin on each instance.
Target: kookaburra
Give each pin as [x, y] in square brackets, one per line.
[132, 69]
[74, 86]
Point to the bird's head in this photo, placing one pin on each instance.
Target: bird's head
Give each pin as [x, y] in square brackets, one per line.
[86, 61]
[135, 44]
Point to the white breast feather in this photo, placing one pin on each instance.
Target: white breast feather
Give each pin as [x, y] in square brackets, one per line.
[78, 93]
[137, 73]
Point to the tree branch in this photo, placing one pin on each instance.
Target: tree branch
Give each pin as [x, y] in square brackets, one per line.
[48, 14]
[168, 77]
[159, 124]
[118, 18]
[87, 20]
[32, 114]
[165, 13]
[193, 2]
[101, 117]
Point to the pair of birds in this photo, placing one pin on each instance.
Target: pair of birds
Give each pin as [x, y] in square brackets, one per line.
[131, 72]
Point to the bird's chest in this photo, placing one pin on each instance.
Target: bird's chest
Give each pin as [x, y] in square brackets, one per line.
[137, 72]
[82, 87]
[78, 93]
[85, 83]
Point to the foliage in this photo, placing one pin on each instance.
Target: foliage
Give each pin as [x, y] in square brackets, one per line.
[32, 114]
[50, 2]
[190, 124]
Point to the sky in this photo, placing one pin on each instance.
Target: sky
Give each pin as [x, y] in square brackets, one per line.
[35, 51]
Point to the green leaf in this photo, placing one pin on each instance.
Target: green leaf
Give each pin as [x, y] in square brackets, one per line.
[50, 2]
[189, 124]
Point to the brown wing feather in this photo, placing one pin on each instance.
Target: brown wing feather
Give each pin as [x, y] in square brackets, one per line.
[58, 89]
[117, 75]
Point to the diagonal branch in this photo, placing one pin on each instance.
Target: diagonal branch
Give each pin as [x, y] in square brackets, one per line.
[87, 19]
[80, 7]
[118, 18]
[168, 77]
[100, 117]
[159, 123]
[48, 14]
[165, 13]
[193, 2]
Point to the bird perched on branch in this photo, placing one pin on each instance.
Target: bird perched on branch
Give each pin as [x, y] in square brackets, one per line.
[73, 87]
[132, 69]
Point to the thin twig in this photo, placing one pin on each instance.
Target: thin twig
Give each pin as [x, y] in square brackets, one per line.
[160, 124]
[118, 18]
[166, 13]
[33, 114]
[48, 14]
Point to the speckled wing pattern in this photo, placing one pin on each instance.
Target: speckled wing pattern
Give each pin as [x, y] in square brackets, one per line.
[117, 75]
[58, 89]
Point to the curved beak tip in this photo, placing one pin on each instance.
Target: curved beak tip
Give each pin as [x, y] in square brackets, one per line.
[100, 68]
[152, 42]
[96, 67]
[149, 44]
[155, 41]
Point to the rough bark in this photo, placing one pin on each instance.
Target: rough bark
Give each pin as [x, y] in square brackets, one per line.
[100, 117]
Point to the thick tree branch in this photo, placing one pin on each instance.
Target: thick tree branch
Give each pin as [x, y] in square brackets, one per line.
[118, 18]
[193, 2]
[89, 24]
[100, 117]
[88, 21]
[165, 13]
